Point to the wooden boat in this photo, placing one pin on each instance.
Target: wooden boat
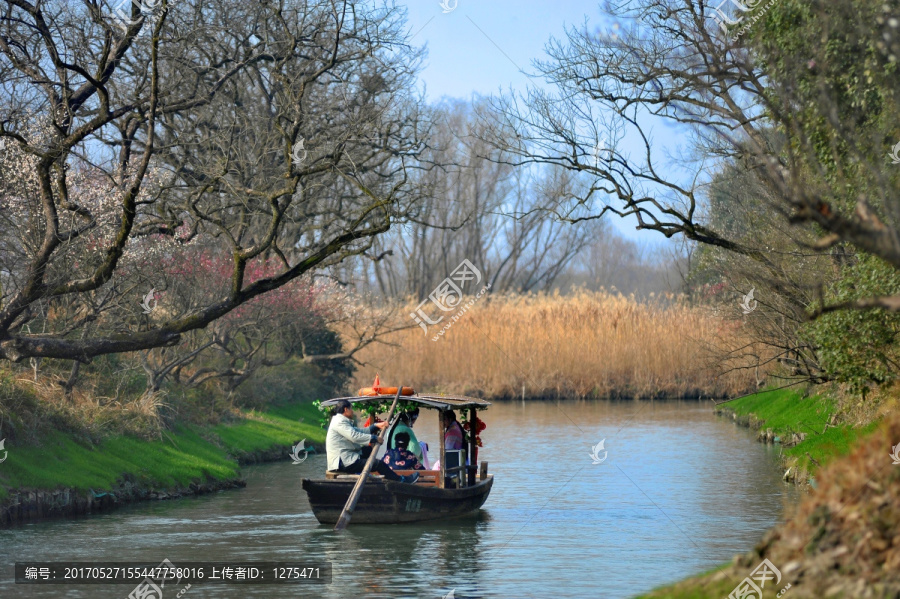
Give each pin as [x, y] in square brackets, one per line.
[450, 492]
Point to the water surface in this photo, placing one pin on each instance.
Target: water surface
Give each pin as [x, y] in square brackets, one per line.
[680, 491]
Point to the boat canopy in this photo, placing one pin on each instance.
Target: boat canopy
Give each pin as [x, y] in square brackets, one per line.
[440, 402]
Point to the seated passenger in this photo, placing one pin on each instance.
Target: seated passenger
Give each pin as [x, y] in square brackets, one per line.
[400, 458]
[454, 438]
[404, 425]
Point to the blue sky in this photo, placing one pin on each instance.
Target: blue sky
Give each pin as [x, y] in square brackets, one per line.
[487, 46]
[480, 46]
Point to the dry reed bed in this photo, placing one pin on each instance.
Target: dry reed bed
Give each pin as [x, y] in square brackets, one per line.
[549, 346]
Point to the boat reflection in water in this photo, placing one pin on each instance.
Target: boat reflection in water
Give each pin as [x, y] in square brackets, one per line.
[450, 552]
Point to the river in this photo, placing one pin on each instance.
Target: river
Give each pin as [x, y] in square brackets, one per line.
[679, 491]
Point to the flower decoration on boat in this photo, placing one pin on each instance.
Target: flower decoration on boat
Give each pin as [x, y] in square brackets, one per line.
[480, 426]
[325, 414]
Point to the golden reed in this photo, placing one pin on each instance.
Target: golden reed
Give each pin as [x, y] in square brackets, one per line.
[588, 344]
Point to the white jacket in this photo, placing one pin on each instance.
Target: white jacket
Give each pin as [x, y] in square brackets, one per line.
[344, 442]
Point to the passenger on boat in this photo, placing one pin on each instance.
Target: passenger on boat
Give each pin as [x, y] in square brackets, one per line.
[400, 458]
[404, 425]
[347, 447]
[453, 434]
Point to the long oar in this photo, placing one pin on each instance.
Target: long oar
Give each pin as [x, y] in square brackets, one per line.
[344, 520]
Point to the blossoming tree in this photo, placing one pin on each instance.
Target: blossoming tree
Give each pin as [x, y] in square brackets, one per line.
[136, 142]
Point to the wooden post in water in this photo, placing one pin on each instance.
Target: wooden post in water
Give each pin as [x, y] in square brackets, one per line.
[344, 520]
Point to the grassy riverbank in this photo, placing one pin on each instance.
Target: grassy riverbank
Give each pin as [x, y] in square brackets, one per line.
[714, 584]
[188, 454]
[64, 452]
[806, 427]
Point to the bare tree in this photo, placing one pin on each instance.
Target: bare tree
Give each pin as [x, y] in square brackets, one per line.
[250, 131]
[475, 209]
[611, 261]
[669, 62]
[300, 321]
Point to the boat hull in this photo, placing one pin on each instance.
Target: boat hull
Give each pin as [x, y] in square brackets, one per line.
[387, 502]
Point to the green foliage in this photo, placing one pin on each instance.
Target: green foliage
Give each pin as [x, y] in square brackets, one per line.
[368, 409]
[383, 406]
[320, 340]
[113, 376]
[834, 79]
[832, 87]
[324, 414]
[853, 347]
[288, 383]
[859, 347]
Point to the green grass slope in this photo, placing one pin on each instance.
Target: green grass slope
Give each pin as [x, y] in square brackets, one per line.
[787, 412]
[180, 457]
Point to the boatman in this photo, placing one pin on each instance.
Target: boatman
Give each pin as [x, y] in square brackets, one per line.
[347, 447]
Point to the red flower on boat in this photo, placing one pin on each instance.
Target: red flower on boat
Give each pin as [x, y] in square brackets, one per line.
[478, 428]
